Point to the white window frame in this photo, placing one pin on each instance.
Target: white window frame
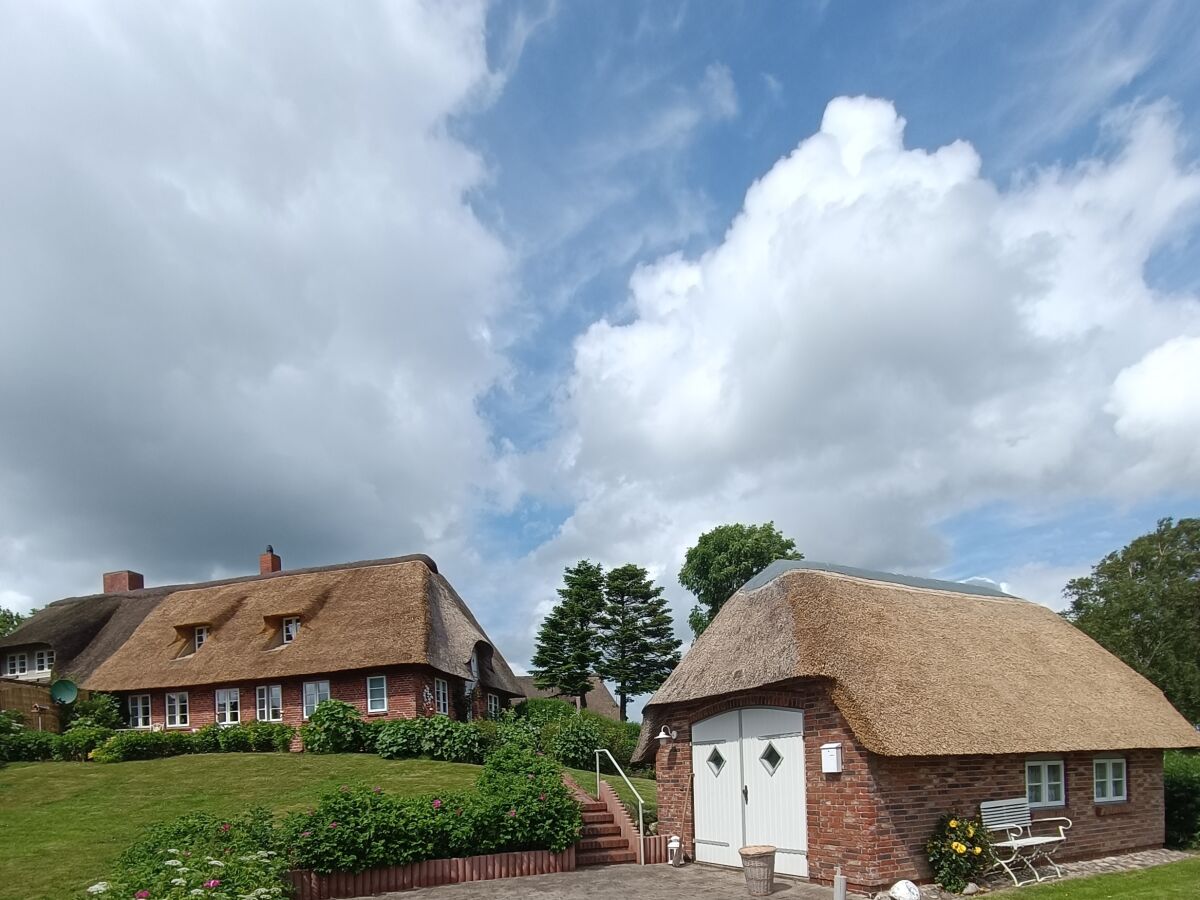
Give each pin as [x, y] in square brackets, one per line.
[199, 637]
[227, 712]
[1042, 766]
[384, 707]
[317, 698]
[18, 664]
[43, 660]
[264, 694]
[1108, 779]
[143, 706]
[441, 696]
[177, 709]
[493, 705]
[290, 634]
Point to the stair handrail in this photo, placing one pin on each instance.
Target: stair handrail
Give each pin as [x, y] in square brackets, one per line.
[641, 802]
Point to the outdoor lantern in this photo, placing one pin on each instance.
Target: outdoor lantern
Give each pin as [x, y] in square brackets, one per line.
[666, 734]
[675, 851]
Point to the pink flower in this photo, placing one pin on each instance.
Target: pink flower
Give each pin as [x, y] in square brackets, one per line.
[306, 834]
[333, 824]
[225, 826]
[212, 883]
[142, 895]
[437, 804]
[512, 813]
[541, 796]
[377, 790]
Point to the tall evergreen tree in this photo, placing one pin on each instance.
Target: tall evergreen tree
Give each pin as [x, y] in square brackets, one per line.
[638, 644]
[567, 651]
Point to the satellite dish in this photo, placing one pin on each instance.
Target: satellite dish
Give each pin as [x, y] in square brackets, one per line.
[64, 691]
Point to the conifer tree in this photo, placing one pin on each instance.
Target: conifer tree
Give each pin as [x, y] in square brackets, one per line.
[567, 651]
[637, 640]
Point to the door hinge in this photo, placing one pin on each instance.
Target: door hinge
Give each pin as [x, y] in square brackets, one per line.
[745, 794]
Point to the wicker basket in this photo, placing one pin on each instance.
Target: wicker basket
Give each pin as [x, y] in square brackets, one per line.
[759, 865]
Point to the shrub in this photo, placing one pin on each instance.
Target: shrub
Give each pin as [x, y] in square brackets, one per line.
[80, 740]
[201, 854]
[515, 731]
[576, 741]
[11, 722]
[445, 739]
[28, 746]
[1181, 793]
[539, 712]
[399, 739]
[959, 851]
[130, 745]
[100, 710]
[269, 737]
[520, 803]
[207, 739]
[234, 739]
[372, 729]
[333, 727]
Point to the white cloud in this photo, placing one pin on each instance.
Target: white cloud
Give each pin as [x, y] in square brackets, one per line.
[1156, 402]
[885, 338]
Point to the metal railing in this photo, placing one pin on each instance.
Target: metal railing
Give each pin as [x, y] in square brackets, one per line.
[641, 802]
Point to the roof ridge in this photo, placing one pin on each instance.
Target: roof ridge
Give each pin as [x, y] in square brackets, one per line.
[781, 567]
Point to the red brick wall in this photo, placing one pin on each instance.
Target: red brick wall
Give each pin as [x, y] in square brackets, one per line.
[873, 819]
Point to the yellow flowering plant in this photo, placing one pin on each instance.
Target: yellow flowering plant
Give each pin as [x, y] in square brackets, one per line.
[959, 851]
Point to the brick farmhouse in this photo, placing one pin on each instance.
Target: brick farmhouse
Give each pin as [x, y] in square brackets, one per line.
[837, 713]
[389, 636]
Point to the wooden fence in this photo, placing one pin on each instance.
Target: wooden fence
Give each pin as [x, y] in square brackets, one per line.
[32, 700]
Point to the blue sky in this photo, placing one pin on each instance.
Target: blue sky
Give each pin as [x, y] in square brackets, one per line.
[516, 284]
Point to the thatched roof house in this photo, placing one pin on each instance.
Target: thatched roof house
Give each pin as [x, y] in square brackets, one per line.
[938, 688]
[599, 699]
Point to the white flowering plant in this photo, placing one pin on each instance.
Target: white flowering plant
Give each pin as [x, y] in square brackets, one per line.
[200, 855]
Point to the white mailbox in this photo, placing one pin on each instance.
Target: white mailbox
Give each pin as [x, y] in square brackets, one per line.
[831, 758]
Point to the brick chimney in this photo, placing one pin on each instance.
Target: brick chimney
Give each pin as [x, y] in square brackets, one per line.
[125, 580]
[269, 562]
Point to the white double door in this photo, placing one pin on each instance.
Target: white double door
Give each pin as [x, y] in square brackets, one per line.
[748, 786]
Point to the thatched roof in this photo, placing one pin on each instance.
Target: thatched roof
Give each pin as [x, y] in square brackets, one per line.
[599, 699]
[84, 631]
[353, 616]
[923, 668]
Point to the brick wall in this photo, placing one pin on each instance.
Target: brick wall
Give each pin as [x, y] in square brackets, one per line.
[874, 817]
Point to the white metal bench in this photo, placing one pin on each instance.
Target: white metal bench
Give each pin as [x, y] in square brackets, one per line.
[1019, 845]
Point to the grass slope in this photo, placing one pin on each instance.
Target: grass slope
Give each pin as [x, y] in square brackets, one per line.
[1174, 881]
[645, 786]
[61, 824]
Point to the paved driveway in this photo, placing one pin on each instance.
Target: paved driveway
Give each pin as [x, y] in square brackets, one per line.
[660, 882]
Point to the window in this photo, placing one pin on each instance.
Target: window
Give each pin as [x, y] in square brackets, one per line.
[493, 706]
[1044, 785]
[1108, 780]
[201, 635]
[43, 660]
[291, 629]
[441, 696]
[377, 694]
[177, 710]
[270, 702]
[229, 705]
[315, 692]
[139, 710]
[17, 663]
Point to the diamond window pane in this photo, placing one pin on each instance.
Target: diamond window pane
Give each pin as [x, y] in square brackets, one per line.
[771, 758]
[716, 761]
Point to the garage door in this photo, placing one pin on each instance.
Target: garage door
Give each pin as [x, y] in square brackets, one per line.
[748, 784]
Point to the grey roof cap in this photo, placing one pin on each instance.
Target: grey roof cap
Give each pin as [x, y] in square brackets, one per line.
[780, 566]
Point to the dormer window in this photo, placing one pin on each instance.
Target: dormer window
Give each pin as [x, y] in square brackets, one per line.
[17, 664]
[201, 635]
[43, 660]
[291, 629]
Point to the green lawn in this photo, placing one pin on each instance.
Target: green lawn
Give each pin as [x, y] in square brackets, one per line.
[646, 787]
[1175, 880]
[62, 823]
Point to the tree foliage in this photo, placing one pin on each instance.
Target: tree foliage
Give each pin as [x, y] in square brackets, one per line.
[567, 651]
[637, 640]
[726, 558]
[1142, 603]
[9, 621]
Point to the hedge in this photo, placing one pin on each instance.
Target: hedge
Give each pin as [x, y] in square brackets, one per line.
[257, 737]
[1181, 793]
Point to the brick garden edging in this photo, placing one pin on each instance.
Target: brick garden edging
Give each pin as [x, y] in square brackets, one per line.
[311, 886]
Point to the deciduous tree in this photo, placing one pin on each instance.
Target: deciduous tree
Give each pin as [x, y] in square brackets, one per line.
[9, 621]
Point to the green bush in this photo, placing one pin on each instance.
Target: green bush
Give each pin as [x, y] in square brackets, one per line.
[1181, 793]
[207, 739]
[130, 745]
[234, 739]
[333, 727]
[399, 739]
[200, 854]
[80, 740]
[99, 710]
[11, 722]
[959, 851]
[515, 731]
[28, 746]
[539, 712]
[520, 803]
[576, 742]
[269, 737]
[435, 737]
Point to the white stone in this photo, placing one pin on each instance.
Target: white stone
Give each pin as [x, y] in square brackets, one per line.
[904, 890]
[971, 888]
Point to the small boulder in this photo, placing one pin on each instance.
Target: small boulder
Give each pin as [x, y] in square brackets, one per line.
[904, 890]
[971, 888]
